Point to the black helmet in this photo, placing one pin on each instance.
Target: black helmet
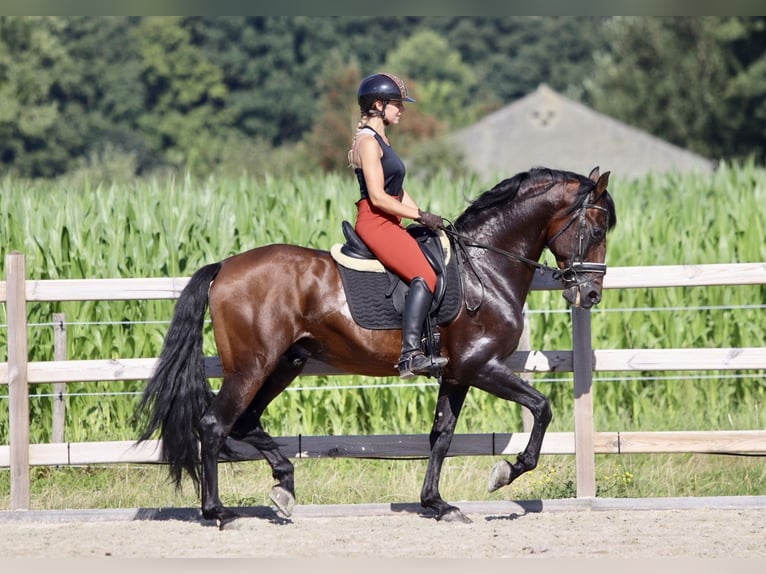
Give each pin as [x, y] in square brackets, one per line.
[382, 86]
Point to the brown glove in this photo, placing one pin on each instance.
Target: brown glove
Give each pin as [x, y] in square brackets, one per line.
[430, 220]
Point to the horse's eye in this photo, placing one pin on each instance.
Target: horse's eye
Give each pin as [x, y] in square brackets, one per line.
[598, 233]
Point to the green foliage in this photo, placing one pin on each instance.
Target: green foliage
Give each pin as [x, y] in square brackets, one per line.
[110, 94]
[186, 92]
[149, 93]
[697, 82]
[511, 56]
[31, 56]
[337, 115]
[445, 84]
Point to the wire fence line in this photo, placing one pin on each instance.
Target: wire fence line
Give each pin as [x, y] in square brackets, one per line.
[583, 442]
[673, 309]
[376, 386]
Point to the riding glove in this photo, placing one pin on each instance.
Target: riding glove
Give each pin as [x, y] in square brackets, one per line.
[433, 222]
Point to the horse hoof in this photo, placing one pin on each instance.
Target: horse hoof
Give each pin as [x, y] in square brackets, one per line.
[454, 515]
[225, 517]
[499, 476]
[283, 499]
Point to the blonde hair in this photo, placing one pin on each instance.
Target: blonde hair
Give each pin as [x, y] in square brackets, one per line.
[362, 123]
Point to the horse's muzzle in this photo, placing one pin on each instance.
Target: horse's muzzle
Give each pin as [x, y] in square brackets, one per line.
[585, 295]
[582, 284]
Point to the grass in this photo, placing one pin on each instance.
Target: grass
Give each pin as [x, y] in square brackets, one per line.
[356, 481]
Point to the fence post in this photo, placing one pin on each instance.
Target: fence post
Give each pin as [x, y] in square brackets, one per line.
[525, 344]
[18, 388]
[582, 359]
[59, 389]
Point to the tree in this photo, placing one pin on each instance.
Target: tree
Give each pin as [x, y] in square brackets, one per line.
[697, 82]
[512, 55]
[183, 91]
[272, 67]
[445, 84]
[30, 58]
[69, 89]
[104, 93]
[185, 95]
[333, 129]
[745, 39]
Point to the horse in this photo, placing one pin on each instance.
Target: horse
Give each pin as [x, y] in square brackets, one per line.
[275, 306]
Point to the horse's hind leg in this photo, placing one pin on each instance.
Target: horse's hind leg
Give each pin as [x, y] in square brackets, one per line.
[248, 429]
[282, 493]
[214, 427]
[448, 406]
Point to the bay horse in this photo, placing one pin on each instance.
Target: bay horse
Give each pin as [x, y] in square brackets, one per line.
[275, 306]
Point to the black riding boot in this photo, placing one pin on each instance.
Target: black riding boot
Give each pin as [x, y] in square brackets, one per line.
[416, 306]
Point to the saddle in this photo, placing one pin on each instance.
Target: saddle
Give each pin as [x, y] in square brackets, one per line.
[376, 295]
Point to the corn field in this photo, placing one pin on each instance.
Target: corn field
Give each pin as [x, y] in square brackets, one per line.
[170, 227]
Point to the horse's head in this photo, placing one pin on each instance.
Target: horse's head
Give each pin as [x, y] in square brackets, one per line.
[577, 238]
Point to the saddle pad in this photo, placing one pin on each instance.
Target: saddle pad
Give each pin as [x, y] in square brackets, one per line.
[373, 264]
[372, 309]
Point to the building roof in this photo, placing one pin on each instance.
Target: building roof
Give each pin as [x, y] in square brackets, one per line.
[547, 129]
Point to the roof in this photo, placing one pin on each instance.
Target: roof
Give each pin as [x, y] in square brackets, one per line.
[546, 129]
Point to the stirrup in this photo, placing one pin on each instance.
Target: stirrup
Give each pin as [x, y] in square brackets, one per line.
[416, 363]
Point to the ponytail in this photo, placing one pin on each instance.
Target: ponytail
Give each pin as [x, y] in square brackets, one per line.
[363, 121]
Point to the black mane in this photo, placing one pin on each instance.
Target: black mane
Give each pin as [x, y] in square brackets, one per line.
[537, 181]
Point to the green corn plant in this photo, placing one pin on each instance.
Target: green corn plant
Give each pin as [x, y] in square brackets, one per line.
[170, 226]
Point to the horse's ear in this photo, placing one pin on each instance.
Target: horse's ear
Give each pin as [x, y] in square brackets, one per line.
[593, 174]
[602, 183]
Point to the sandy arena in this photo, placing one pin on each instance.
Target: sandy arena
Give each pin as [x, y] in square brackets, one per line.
[563, 532]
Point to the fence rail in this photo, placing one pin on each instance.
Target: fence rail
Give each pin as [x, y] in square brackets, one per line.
[582, 360]
[170, 287]
[385, 446]
[740, 358]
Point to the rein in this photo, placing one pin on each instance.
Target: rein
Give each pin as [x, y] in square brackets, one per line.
[570, 277]
[464, 241]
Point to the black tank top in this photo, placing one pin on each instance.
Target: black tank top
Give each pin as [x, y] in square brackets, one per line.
[393, 169]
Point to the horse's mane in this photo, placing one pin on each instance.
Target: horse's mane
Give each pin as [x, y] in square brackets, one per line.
[536, 181]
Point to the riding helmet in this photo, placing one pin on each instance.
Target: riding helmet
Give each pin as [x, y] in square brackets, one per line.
[385, 87]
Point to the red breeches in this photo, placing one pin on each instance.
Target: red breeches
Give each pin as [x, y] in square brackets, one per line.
[392, 245]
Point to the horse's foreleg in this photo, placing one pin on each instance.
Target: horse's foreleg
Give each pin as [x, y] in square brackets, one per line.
[504, 472]
[448, 405]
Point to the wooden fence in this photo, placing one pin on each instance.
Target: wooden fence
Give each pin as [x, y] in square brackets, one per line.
[582, 360]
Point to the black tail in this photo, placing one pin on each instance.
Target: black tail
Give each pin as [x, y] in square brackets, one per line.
[178, 393]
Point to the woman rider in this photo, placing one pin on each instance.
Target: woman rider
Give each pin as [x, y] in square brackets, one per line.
[384, 203]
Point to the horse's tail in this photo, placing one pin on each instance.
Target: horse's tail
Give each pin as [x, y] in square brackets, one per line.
[178, 393]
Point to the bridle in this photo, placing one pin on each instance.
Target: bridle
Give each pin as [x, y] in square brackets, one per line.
[577, 273]
[571, 275]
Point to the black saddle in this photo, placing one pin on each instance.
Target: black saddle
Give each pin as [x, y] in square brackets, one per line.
[430, 245]
[376, 298]
[354, 246]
